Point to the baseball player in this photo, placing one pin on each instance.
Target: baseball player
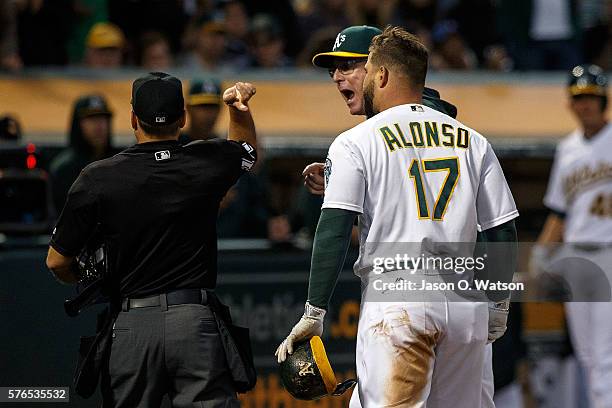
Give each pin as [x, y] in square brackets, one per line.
[408, 188]
[346, 62]
[579, 197]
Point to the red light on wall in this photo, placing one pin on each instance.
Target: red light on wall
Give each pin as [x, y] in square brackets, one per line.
[31, 148]
[31, 161]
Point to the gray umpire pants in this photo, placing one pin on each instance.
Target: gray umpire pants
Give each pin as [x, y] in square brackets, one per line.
[174, 350]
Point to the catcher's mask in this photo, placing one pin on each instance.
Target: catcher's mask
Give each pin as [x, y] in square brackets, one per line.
[307, 374]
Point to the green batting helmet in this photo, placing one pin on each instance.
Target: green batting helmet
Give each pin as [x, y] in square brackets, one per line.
[307, 375]
[588, 80]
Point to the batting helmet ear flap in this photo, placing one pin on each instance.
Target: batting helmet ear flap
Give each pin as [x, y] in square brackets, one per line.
[307, 374]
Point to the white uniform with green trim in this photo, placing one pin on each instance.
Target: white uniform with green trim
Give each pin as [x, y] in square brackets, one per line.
[417, 175]
[580, 188]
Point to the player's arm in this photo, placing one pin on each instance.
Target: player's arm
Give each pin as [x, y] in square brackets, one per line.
[344, 199]
[547, 242]
[502, 252]
[331, 242]
[61, 266]
[496, 212]
[74, 226]
[241, 126]
[552, 233]
[500, 245]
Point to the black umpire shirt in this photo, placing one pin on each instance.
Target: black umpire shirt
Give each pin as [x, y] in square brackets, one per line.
[155, 205]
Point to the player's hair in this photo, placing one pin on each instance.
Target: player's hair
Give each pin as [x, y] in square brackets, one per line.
[397, 49]
[160, 131]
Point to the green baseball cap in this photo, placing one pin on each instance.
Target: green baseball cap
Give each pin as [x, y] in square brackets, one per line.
[204, 92]
[352, 42]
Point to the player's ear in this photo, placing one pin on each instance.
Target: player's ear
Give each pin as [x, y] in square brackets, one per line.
[182, 120]
[134, 121]
[382, 76]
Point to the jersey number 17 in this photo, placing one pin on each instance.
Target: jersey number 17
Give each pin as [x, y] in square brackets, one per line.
[448, 164]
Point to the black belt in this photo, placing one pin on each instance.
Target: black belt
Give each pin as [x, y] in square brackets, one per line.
[177, 297]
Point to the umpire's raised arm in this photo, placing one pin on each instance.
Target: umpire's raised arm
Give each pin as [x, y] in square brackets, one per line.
[241, 126]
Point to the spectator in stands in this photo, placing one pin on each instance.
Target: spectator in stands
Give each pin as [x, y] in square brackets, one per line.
[155, 54]
[105, 45]
[89, 140]
[284, 13]
[319, 42]
[268, 43]
[597, 38]
[413, 13]
[9, 45]
[197, 12]
[451, 48]
[316, 15]
[370, 12]
[87, 13]
[209, 53]
[496, 58]
[237, 25]
[43, 29]
[541, 34]
[242, 212]
[10, 129]
[304, 215]
[479, 30]
[136, 17]
[203, 108]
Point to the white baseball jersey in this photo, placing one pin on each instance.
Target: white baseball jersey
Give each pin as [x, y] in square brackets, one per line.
[416, 175]
[580, 186]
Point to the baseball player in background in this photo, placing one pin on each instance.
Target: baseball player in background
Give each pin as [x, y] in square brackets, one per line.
[384, 172]
[346, 66]
[579, 197]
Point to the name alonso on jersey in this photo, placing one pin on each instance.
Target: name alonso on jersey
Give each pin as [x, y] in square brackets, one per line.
[424, 134]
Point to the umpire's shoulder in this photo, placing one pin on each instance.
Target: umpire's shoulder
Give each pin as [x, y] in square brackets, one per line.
[224, 150]
[216, 145]
[104, 166]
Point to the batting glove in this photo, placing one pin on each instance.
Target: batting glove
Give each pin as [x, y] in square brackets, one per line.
[311, 324]
[498, 318]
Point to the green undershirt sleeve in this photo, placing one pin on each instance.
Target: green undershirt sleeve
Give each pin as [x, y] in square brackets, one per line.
[330, 246]
[500, 245]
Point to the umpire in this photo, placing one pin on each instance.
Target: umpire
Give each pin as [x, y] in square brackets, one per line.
[155, 205]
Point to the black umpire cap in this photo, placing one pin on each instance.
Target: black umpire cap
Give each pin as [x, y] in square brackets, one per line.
[157, 99]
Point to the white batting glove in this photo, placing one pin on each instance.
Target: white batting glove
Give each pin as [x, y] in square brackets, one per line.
[498, 318]
[311, 324]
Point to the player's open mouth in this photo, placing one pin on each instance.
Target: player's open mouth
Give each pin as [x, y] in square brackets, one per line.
[348, 95]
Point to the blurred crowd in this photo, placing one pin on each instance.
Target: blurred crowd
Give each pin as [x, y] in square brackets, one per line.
[211, 35]
[268, 202]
